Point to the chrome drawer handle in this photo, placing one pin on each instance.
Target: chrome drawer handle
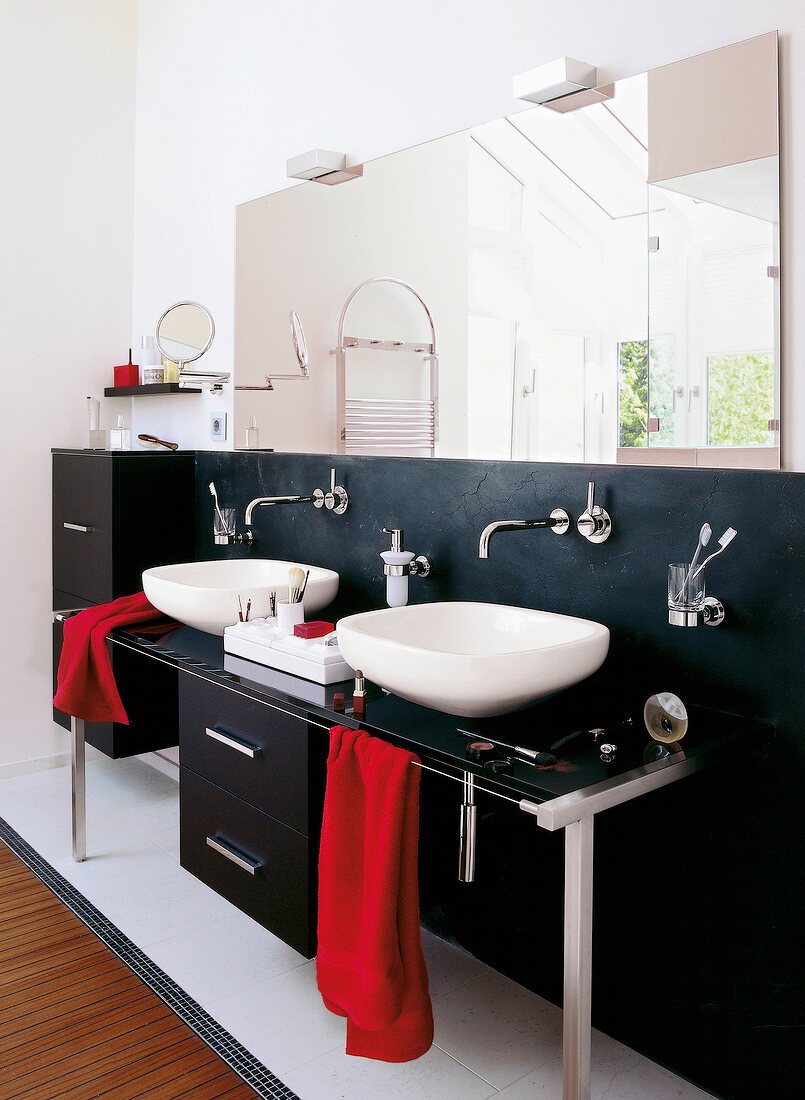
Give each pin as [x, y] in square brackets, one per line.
[233, 742]
[77, 527]
[246, 863]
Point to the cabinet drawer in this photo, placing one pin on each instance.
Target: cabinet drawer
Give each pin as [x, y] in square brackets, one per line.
[251, 749]
[82, 527]
[260, 865]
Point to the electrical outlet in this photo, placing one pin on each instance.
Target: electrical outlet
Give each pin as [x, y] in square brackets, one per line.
[218, 425]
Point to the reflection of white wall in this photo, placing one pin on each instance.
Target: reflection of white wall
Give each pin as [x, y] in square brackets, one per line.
[717, 300]
[355, 231]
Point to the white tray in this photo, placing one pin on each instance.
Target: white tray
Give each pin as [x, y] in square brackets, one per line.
[307, 658]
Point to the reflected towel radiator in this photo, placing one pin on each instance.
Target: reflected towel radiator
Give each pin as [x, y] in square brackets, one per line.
[387, 425]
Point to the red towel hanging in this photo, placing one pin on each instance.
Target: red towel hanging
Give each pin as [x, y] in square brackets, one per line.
[369, 963]
[85, 682]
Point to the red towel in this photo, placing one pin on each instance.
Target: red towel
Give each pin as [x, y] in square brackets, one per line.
[369, 964]
[85, 681]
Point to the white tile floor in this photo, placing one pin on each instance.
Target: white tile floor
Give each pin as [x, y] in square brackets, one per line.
[493, 1038]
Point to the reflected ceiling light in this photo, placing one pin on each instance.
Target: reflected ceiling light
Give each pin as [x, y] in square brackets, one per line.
[322, 166]
[563, 85]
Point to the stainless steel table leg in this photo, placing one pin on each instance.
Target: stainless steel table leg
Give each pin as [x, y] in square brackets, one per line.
[578, 960]
[79, 788]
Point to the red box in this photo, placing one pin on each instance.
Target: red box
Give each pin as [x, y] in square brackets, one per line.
[316, 629]
[127, 374]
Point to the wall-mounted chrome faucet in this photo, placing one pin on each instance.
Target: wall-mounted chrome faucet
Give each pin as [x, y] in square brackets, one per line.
[335, 500]
[398, 566]
[558, 522]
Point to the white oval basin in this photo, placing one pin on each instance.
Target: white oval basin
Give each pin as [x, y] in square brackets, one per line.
[204, 594]
[472, 659]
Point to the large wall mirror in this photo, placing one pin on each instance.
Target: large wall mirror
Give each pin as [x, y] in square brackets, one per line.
[595, 285]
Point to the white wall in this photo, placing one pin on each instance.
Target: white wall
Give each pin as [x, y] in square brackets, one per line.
[66, 194]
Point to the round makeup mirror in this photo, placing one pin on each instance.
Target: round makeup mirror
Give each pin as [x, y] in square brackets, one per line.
[299, 343]
[184, 332]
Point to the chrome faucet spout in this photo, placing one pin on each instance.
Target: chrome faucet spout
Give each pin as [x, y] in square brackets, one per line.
[259, 501]
[558, 521]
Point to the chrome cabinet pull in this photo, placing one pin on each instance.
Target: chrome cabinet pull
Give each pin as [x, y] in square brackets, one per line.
[234, 742]
[77, 527]
[240, 859]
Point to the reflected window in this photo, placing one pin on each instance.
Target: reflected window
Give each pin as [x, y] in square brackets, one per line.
[740, 399]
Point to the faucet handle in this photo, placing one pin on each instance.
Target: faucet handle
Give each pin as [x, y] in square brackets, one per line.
[337, 499]
[594, 523]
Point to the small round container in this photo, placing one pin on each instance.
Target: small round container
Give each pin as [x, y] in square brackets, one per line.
[153, 375]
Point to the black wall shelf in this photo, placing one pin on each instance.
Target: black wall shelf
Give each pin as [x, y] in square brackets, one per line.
[153, 390]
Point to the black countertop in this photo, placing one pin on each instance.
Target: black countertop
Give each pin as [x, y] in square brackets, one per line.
[435, 737]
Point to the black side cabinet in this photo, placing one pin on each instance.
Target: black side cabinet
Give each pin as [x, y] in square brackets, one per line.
[251, 792]
[116, 513]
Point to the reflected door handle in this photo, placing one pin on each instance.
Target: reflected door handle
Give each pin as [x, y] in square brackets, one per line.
[77, 527]
[679, 391]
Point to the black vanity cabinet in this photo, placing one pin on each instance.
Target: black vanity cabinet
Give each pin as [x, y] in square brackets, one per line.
[116, 513]
[251, 792]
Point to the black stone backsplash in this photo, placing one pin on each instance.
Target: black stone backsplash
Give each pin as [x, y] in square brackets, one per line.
[736, 838]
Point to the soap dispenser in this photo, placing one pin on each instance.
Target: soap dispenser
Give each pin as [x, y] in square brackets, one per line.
[120, 437]
[398, 565]
[395, 563]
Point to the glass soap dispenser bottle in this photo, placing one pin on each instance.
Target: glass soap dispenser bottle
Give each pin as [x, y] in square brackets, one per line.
[252, 435]
[120, 436]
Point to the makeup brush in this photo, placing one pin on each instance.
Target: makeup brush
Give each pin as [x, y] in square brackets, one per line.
[723, 543]
[296, 578]
[304, 585]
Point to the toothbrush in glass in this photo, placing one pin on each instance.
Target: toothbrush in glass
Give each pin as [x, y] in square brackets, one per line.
[723, 543]
[704, 538]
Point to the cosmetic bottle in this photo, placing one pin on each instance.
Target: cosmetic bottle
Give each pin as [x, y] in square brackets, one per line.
[127, 374]
[120, 437]
[171, 370]
[252, 435]
[359, 695]
[97, 438]
[149, 358]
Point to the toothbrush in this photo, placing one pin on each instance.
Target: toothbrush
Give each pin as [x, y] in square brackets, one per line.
[704, 538]
[723, 543]
[214, 496]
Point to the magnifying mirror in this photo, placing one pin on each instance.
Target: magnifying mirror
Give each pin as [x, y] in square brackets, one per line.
[184, 332]
[300, 346]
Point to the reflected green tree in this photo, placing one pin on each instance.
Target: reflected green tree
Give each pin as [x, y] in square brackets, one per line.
[740, 399]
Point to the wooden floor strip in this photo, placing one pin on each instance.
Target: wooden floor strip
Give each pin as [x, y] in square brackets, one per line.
[76, 1023]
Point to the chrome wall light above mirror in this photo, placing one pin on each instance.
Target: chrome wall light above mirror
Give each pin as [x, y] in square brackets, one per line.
[527, 236]
[183, 333]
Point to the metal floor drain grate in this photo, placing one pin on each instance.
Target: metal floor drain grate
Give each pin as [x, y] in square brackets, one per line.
[253, 1072]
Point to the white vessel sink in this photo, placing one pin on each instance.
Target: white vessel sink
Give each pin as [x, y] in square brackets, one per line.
[472, 659]
[204, 594]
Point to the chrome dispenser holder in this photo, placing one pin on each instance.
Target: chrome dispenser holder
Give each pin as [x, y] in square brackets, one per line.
[712, 614]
